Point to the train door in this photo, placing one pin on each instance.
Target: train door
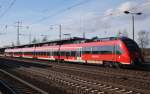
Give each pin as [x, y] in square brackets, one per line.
[114, 53]
[116, 64]
[22, 53]
[34, 52]
[78, 54]
[49, 53]
[114, 57]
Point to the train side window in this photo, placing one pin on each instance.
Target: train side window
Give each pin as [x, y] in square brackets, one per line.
[62, 53]
[118, 50]
[96, 50]
[87, 50]
[43, 53]
[79, 52]
[52, 53]
[106, 49]
[102, 50]
[55, 53]
[67, 53]
[36, 53]
[73, 53]
[48, 53]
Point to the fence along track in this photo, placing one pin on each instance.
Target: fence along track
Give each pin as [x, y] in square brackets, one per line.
[19, 86]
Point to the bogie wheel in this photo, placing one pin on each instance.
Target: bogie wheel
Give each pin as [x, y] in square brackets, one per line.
[107, 64]
[117, 65]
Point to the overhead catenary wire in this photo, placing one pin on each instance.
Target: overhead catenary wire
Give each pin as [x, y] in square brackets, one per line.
[2, 3]
[66, 9]
[118, 13]
[113, 14]
[8, 8]
[61, 11]
[144, 4]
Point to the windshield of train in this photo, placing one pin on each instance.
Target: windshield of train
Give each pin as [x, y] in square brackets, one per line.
[131, 45]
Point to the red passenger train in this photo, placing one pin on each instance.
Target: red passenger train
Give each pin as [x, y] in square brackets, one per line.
[107, 51]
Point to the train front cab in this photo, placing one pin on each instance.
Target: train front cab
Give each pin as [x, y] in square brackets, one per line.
[134, 51]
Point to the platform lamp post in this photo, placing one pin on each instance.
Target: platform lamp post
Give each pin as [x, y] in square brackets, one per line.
[133, 14]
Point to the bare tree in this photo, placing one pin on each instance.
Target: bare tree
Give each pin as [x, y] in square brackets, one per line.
[143, 39]
[44, 39]
[34, 40]
[12, 44]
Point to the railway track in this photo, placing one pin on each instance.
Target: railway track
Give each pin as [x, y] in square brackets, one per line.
[82, 85]
[144, 67]
[78, 84]
[5, 88]
[15, 85]
[138, 75]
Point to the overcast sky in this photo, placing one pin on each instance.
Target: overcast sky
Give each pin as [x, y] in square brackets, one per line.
[102, 18]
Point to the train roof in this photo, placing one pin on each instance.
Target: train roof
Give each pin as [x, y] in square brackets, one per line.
[74, 40]
[107, 39]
